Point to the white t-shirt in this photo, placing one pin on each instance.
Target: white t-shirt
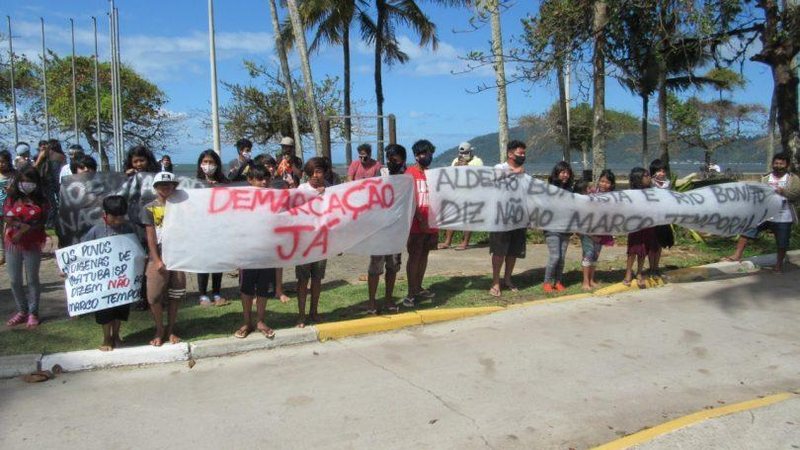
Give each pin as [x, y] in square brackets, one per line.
[65, 172]
[785, 214]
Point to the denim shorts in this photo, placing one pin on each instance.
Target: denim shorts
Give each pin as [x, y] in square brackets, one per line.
[781, 230]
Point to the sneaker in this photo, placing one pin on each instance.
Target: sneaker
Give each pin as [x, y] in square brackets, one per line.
[425, 294]
[33, 321]
[17, 319]
[205, 300]
[220, 300]
[548, 288]
[408, 302]
[560, 287]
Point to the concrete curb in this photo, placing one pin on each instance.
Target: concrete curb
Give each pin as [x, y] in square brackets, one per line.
[256, 341]
[16, 365]
[131, 356]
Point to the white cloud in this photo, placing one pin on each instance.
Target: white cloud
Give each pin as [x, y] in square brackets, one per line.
[159, 58]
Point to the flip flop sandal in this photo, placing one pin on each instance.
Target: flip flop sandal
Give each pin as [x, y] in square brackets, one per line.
[242, 333]
[38, 376]
[494, 292]
[268, 333]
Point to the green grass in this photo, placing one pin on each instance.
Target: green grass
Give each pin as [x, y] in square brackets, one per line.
[342, 301]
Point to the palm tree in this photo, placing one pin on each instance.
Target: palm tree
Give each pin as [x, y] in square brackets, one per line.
[280, 47]
[333, 19]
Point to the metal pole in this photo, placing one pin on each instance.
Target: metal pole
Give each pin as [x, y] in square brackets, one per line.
[74, 87]
[120, 115]
[13, 92]
[214, 100]
[99, 134]
[44, 83]
[117, 166]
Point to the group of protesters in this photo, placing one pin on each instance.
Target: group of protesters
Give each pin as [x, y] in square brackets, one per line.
[29, 188]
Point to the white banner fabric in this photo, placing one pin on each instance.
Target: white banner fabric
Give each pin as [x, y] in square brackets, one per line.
[227, 228]
[102, 273]
[487, 199]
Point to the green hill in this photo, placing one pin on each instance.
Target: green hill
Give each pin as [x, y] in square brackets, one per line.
[625, 149]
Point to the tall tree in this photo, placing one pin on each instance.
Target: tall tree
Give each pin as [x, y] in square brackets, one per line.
[286, 74]
[493, 7]
[308, 85]
[599, 83]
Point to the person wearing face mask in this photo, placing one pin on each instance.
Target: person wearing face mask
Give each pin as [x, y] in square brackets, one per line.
[238, 167]
[209, 171]
[466, 157]
[507, 246]
[787, 185]
[364, 166]
[25, 214]
[422, 238]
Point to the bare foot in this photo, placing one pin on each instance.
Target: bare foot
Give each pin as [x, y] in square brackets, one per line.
[118, 342]
[777, 269]
[586, 287]
[495, 291]
[301, 324]
[107, 346]
[174, 339]
[157, 341]
[284, 298]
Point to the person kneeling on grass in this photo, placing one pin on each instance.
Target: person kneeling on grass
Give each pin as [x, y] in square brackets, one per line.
[257, 283]
[315, 169]
[162, 285]
[115, 221]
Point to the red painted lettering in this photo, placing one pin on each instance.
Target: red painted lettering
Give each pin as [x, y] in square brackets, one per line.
[295, 230]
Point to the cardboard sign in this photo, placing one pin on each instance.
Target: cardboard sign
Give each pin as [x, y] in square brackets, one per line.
[102, 273]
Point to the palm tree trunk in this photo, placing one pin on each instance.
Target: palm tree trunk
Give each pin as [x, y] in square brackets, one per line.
[645, 102]
[598, 104]
[380, 25]
[663, 137]
[500, 78]
[562, 112]
[773, 115]
[287, 77]
[302, 50]
[348, 124]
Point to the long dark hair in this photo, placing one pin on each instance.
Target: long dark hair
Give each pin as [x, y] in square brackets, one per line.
[143, 152]
[30, 174]
[557, 169]
[609, 175]
[636, 176]
[217, 175]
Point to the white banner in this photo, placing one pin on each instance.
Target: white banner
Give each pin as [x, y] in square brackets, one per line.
[102, 273]
[488, 199]
[227, 228]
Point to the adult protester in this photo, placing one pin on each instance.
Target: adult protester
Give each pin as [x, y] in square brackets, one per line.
[466, 157]
[49, 161]
[209, 170]
[422, 238]
[22, 155]
[508, 246]
[73, 152]
[6, 176]
[237, 170]
[365, 166]
[166, 164]
[287, 156]
[787, 185]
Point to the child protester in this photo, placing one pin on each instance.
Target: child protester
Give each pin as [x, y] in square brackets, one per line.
[315, 169]
[557, 243]
[209, 170]
[643, 242]
[592, 245]
[163, 286]
[664, 235]
[115, 221]
[25, 213]
[258, 284]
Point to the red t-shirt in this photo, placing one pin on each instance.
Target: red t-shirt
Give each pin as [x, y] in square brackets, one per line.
[28, 213]
[357, 171]
[422, 197]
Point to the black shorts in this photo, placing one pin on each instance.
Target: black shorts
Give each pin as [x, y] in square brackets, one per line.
[257, 282]
[105, 316]
[508, 243]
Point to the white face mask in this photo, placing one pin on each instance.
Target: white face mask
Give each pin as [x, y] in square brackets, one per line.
[27, 187]
[208, 169]
[246, 155]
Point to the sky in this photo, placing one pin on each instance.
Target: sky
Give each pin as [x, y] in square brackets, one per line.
[433, 95]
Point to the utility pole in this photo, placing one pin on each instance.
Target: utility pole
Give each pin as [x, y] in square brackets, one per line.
[74, 87]
[214, 100]
[98, 133]
[13, 92]
[115, 132]
[44, 84]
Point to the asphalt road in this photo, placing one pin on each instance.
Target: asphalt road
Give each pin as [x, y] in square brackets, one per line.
[564, 375]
